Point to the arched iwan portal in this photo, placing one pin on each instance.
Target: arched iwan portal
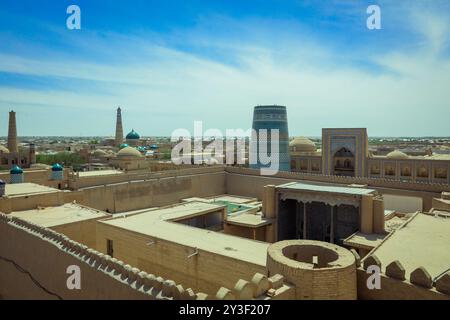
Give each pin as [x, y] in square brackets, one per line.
[344, 163]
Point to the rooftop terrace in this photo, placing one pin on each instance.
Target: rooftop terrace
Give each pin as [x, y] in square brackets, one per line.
[153, 223]
[351, 191]
[421, 242]
[25, 189]
[61, 215]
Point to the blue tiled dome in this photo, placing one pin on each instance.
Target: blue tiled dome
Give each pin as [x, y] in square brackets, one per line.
[16, 170]
[123, 145]
[133, 135]
[57, 167]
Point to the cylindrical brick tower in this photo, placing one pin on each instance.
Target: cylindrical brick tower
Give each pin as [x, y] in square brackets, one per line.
[270, 117]
[119, 128]
[318, 270]
[32, 153]
[12, 132]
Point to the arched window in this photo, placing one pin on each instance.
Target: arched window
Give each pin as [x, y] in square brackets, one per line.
[293, 165]
[347, 163]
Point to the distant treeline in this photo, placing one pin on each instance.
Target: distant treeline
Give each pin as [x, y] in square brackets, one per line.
[63, 158]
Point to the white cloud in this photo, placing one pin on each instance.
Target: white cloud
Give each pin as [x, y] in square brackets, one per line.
[162, 88]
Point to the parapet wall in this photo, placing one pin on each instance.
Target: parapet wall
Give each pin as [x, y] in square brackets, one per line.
[259, 287]
[77, 182]
[156, 189]
[37, 269]
[395, 286]
[34, 261]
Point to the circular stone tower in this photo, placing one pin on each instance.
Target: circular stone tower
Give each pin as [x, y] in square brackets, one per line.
[319, 270]
[270, 117]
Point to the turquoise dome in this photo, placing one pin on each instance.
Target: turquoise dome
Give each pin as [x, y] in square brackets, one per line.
[16, 170]
[133, 135]
[154, 146]
[123, 145]
[57, 167]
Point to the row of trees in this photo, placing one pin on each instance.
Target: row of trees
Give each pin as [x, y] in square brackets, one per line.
[64, 158]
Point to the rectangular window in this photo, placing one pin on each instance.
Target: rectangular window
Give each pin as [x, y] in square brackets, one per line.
[109, 248]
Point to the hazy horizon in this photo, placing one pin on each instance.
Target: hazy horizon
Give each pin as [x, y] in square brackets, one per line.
[168, 64]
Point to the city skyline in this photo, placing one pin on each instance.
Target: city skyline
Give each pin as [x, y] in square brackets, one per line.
[215, 61]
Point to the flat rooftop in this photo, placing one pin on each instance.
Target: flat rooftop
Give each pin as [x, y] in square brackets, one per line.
[327, 189]
[186, 210]
[56, 216]
[234, 204]
[249, 220]
[26, 189]
[96, 173]
[224, 197]
[421, 242]
[364, 240]
[153, 224]
[394, 223]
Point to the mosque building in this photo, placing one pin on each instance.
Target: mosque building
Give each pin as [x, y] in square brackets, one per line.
[345, 152]
[133, 139]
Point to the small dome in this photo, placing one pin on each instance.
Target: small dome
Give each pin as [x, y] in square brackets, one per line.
[129, 152]
[123, 145]
[16, 170]
[396, 154]
[302, 144]
[57, 167]
[4, 149]
[99, 153]
[154, 146]
[133, 135]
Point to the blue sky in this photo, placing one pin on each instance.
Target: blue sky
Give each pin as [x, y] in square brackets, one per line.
[169, 63]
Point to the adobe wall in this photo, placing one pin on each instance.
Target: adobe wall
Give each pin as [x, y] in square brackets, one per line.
[26, 202]
[395, 289]
[36, 269]
[157, 191]
[77, 182]
[84, 232]
[38, 176]
[245, 232]
[249, 182]
[205, 271]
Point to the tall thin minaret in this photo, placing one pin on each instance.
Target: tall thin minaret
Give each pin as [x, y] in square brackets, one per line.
[119, 128]
[12, 132]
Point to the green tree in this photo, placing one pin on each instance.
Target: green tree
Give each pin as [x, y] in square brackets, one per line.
[64, 158]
